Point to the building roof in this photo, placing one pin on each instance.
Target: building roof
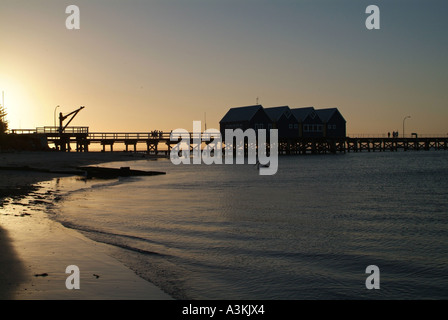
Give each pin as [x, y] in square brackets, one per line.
[241, 113]
[276, 112]
[326, 114]
[302, 113]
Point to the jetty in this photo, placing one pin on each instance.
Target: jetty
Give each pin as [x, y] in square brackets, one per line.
[300, 131]
[79, 139]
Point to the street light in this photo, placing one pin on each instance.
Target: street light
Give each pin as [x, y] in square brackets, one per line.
[55, 115]
[403, 123]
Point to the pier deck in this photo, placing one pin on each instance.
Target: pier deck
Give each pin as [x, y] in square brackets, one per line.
[159, 142]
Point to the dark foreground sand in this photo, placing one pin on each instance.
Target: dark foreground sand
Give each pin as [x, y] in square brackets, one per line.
[35, 250]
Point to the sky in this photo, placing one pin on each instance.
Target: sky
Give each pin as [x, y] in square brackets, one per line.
[139, 66]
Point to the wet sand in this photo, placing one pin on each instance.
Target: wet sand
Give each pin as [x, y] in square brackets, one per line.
[35, 250]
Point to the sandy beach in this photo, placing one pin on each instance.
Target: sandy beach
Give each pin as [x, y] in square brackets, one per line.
[35, 250]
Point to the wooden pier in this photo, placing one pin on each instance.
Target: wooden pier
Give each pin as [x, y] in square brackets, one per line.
[157, 142]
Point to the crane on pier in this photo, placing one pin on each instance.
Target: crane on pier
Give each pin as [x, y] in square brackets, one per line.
[64, 139]
[62, 118]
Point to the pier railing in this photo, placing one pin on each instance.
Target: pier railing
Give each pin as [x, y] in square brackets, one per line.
[22, 131]
[96, 136]
[407, 135]
[140, 136]
[68, 130]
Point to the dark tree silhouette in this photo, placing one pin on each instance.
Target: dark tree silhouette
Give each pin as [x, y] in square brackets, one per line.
[3, 121]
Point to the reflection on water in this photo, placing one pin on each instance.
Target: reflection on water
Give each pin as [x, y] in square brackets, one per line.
[308, 232]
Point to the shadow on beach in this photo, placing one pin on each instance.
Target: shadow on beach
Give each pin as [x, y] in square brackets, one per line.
[12, 271]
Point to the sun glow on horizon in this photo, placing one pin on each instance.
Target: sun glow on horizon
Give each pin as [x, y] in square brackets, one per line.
[18, 103]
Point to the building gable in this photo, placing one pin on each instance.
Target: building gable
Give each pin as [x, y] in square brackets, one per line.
[241, 114]
[330, 114]
[302, 114]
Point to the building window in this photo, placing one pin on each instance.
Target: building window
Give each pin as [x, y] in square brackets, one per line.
[334, 126]
[296, 126]
[329, 126]
[290, 126]
[319, 128]
[305, 128]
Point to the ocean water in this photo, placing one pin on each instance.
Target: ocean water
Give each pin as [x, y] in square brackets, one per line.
[308, 232]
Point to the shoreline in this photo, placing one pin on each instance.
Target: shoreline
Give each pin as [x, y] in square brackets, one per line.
[35, 250]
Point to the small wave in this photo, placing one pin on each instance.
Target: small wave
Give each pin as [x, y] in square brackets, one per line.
[93, 230]
[130, 248]
[112, 238]
[119, 181]
[101, 184]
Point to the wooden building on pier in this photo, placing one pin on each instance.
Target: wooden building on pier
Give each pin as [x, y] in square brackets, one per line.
[334, 124]
[310, 124]
[249, 117]
[284, 121]
[293, 123]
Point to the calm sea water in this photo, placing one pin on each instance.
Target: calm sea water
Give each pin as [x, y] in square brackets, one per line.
[308, 232]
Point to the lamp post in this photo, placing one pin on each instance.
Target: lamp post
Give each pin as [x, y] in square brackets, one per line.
[403, 123]
[55, 115]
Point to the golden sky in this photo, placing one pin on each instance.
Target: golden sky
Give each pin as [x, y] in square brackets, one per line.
[146, 65]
